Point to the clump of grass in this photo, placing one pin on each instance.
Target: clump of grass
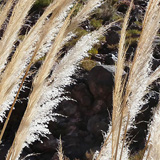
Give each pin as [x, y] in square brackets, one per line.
[55, 73]
[88, 64]
[130, 89]
[93, 51]
[52, 76]
[133, 33]
[96, 23]
[41, 4]
[116, 16]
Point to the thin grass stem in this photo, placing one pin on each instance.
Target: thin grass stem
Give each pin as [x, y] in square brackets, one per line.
[124, 137]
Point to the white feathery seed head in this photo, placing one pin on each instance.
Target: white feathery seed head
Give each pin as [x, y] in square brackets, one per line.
[140, 69]
[19, 14]
[16, 68]
[61, 77]
[153, 149]
[54, 29]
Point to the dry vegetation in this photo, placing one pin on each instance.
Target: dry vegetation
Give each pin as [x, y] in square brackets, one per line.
[55, 27]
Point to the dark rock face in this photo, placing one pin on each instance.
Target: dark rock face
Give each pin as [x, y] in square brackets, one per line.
[69, 108]
[82, 94]
[112, 37]
[100, 83]
[155, 63]
[47, 145]
[96, 124]
[99, 106]
[4, 149]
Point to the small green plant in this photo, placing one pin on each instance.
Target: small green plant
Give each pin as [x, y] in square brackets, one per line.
[39, 4]
[96, 23]
[88, 64]
[116, 16]
[133, 33]
[138, 23]
[93, 51]
[43, 3]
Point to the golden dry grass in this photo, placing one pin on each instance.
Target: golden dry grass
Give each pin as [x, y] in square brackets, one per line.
[128, 91]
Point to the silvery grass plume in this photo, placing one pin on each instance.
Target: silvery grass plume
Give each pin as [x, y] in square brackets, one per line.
[38, 85]
[53, 27]
[113, 144]
[80, 17]
[61, 77]
[153, 152]
[130, 96]
[42, 41]
[17, 18]
[90, 6]
[15, 70]
[44, 103]
[60, 150]
[140, 72]
[4, 10]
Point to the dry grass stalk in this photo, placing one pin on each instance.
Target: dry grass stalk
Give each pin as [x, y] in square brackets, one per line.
[119, 88]
[12, 74]
[30, 155]
[4, 10]
[35, 95]
[124, 136]
[140, 69]
[154, 76]
[126, 101]
[146, 147]
[19, 14]
[60, 150]
[39, 43]
[152, 146]
[84, 13]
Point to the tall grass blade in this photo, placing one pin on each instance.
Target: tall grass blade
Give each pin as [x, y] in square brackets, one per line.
[54, 87]
[4, 10]
[19, 14]
[20, 137]
[152, 151]
[15, 70]
[84, 13]
[119, 87]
